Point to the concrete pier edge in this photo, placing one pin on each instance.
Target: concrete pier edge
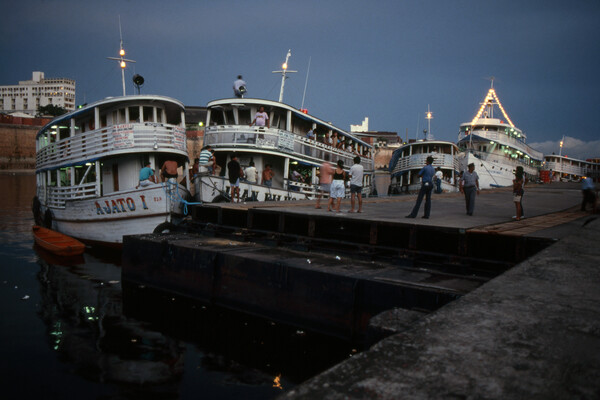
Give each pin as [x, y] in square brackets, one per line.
[533, 332]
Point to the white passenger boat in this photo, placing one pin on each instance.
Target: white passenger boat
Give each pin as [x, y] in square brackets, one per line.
[562, 168]
[496, 146]
[410, 158]
[88, 164]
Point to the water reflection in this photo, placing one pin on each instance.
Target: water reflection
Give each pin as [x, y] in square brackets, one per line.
[82, 309]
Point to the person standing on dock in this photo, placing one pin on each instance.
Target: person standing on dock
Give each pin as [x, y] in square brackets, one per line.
[439, 175]
[587, 189]
[426, 174]
[518, 192]
[356, 183]
[325, 176]
[234, 169]
[338, 190]
[470, 188]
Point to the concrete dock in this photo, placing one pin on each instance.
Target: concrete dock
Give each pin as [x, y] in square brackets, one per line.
[531, 333]
[339, 273]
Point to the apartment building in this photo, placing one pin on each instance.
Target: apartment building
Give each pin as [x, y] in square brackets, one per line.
[28, 96]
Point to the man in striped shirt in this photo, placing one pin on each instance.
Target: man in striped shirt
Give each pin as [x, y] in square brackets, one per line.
[206, 159]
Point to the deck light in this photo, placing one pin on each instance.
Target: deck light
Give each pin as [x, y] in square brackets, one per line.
[122, 52]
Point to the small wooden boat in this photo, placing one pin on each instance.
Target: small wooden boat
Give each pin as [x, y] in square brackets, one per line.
[57, 242]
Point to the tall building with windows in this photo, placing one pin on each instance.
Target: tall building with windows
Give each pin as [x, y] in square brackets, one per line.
[28, 96]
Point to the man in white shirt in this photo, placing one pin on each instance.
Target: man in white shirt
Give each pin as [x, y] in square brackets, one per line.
[251, 173]
[261, 118]
[438, 180]
[356, 183]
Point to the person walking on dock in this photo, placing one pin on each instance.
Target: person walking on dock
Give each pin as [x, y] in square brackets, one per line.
[470, 187]
[426, 174]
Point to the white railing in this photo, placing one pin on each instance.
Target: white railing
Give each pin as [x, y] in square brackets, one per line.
[93, 144]
[506, 140]
[279, 140]
[504, 159]
[58, 195]
[414, 161]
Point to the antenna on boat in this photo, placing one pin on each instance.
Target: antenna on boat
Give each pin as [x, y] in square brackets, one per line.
[283, 72]
[122, 61]
[305, 84]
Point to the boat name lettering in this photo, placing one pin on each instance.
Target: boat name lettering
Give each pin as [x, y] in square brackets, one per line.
[121, 205]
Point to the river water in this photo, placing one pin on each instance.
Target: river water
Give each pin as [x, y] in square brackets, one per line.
[68, 329]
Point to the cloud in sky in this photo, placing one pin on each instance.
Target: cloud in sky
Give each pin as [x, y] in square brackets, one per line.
[572, 147]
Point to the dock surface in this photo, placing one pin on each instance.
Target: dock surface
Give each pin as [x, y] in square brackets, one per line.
[531, 333]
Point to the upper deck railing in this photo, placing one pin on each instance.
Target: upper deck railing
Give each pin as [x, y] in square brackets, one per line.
[245, 137]
[504, 139]
[109, 140]
[414, 161]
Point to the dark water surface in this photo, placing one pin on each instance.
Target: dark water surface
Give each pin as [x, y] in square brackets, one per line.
[68, 330]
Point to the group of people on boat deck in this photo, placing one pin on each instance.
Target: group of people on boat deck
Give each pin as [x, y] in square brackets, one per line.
[167, 171]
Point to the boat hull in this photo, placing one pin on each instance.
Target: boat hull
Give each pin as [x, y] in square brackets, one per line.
[492, 174]
[106, 219]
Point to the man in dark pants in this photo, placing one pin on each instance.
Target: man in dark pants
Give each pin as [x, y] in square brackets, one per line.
[426, 174]
[470, 187]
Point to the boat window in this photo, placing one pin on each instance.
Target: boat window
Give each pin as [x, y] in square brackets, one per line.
[279, 119]
[148, 114]
[229, 119]
[134, 114]
[102, 120]
[80, 173]
[159, 115]
[244, 116]
[216, 117]
[122, 119]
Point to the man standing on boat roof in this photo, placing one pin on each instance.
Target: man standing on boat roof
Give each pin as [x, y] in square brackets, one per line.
[261, 118]
[426, 174]
[239, 87]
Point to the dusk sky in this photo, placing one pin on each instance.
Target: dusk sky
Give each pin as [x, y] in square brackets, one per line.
[386, 60]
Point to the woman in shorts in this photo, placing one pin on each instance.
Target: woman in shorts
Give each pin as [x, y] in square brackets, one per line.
[338, 191]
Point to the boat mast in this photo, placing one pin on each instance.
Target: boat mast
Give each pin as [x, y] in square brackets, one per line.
[283, 72]
[122, 61]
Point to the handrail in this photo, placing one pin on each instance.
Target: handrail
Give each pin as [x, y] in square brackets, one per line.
[112, 139]
[280, 140]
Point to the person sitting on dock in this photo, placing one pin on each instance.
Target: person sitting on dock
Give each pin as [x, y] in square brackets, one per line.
[168, 170]
[470, 188]
[426, 174]
[261, 118]
[587, 189]
[146, 176]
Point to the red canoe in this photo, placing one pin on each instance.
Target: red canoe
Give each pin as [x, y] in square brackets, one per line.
[56, 242]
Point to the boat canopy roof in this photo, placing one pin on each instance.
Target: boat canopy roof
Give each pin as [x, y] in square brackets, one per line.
[110, 102]
[270, 104]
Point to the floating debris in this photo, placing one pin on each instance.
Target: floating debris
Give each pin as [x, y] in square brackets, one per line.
[308, 260]
[25, 297]
[338, 258]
